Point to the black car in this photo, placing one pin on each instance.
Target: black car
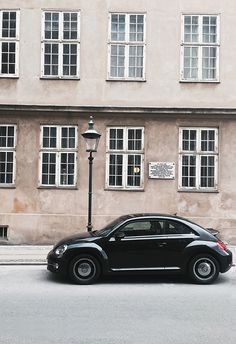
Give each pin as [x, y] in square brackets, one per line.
[142, 243]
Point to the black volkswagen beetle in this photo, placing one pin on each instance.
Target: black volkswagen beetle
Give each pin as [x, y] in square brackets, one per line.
[142, 243]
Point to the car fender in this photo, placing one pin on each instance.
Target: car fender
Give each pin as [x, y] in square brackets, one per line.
[89, 248]
[198, 247]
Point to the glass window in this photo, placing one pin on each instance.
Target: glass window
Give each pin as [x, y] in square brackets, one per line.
[200, 48]
[126, 46]
[58, 155]
[198, 158]
[7, 154]
[125, 157]
[142, 228]
[60, 45]
[9, 42]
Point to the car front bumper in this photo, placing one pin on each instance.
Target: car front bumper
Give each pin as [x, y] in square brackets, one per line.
[55, 264]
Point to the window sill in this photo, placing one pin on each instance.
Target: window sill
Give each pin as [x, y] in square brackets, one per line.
[199, 81]
[122, 189]
[58, 78]
[42, 187]
[126, 80]
[7, 186]
[198, 191]
[6, 76]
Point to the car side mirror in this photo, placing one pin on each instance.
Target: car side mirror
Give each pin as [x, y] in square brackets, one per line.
[119, 235]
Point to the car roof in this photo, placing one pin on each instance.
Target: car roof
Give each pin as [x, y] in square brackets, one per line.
[153, 214]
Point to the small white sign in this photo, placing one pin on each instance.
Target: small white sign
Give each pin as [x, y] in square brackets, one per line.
[162, 170]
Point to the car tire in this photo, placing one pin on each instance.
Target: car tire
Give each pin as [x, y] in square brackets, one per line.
[84, 269]
[203, 269]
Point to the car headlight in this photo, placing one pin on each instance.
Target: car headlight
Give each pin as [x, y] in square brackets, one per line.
[60, 250]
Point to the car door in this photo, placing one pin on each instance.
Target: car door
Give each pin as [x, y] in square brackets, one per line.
[176, 236]
[135, 246]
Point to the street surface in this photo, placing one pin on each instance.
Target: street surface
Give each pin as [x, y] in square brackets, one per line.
[38, 308]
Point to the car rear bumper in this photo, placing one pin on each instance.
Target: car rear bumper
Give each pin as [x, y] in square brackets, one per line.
[226, 261]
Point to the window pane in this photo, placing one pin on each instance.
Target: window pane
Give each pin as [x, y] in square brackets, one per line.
[117, 63]
[135, 61]
[188, 171]
[191, 29]
[189, 140]
[134, 170]
[134, 139]
[116, 139]
[49, 137]
[6, 167]
[67, 168]
[209, 29]
[136, 27]
[207, 171]
[9, 24]
[51, 25]
[70, 59]
[209, 63]
[118, 27]
[115, 170]
[51, 59]
[208, 140]
[48, 168]
[190, 62]
[70, 24]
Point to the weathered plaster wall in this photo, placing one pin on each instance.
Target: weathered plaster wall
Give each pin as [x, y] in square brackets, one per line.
[37, 215]
[162, 86]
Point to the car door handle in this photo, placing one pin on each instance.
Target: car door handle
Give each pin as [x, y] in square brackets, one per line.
[162, 244]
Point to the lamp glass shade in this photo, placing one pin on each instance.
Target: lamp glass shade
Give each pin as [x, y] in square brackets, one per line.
[91, 137]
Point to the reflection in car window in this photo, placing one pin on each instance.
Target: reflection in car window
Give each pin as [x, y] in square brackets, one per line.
[106, 230]
[174, 227]
[142, 227]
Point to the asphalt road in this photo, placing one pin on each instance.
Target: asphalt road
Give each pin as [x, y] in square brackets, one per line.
[38, 308]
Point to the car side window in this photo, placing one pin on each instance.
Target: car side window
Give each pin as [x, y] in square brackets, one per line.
[174, 227]
[139, 228]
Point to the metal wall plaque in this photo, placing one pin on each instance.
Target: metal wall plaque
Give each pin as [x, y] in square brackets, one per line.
[162, 170]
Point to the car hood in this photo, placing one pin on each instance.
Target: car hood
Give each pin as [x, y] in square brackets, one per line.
[74, 238]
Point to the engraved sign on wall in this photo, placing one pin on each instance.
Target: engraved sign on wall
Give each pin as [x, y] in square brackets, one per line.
[162, 170]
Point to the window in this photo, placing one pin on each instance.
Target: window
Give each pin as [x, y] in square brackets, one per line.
[9, 43]
[58, 156]
[60, 44]
[141, 228]
[3, 232]
[200, 48]
[125, 157]
[198, 159]
[126, 46]
[7, 154]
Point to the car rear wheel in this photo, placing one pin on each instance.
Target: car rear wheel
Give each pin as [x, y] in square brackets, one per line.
[84, 269]
[204, 269]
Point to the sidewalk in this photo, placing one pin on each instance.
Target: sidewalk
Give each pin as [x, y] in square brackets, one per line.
[37, 255]
[24, 254]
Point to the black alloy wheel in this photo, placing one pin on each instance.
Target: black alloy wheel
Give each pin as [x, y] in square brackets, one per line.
[204, 269]
[84, 269]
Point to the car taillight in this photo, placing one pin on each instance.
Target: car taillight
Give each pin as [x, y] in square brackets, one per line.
[221, 245]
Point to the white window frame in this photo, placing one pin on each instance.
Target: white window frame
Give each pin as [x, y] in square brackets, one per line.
[127, 43]
[198, 153]
[125, 153]
[58, 151]
[10, 150]
[10, 40]
[200, 45]
[60, 41]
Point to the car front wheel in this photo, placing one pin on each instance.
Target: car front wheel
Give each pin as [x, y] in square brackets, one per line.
[204, 269]
[84, 269]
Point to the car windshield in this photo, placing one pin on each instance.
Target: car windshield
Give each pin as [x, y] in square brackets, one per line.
[106, 230]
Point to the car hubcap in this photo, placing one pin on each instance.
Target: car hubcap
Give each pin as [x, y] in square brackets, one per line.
[84, 269]
[204, 268]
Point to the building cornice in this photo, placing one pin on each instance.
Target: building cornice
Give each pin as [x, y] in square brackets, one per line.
[121, 110]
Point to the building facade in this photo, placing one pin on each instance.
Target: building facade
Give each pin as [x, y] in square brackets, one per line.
[157, 77]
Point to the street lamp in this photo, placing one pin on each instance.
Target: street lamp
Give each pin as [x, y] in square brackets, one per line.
[91, 137]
